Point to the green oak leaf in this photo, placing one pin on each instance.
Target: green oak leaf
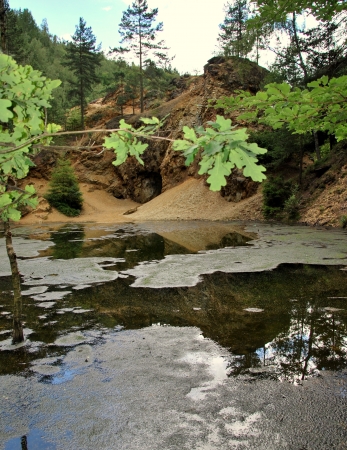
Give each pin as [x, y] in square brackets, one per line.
[30, 189]
[5, 200]
[13, 214]
[180, 144]
[224, 124]
[255, 172]
[152, 121]
[121, 151]
[218, 173]
[189, 133]
[5, 113]
[212, 148]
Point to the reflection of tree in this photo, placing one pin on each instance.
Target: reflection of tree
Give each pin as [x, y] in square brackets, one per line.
[68, 242]
[332, 333]
[315, 340]
[17, 335]
[24, 443]
[241, 363]
[230, 240]
[293, 350]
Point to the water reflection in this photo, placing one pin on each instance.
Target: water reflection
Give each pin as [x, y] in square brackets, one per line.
[68, 242]
[230, 240]
[286, 323]
[315, 340]
[36, 439]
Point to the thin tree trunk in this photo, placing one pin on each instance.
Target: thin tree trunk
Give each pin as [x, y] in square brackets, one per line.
[82, 107]
[309, 350]
[331, 142]
[141, 76]
[3, 24]
[316, 144]
[297, 44]
[18, 335]
[301, 162]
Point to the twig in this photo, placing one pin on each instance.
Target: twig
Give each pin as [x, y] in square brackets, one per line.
[65, 133]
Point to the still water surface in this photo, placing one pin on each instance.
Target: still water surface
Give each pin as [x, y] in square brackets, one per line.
[285, 323]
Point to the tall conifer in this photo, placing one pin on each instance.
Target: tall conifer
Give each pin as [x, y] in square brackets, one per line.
[139, 33]
[4, 9]
[82, 57]
[234, 39]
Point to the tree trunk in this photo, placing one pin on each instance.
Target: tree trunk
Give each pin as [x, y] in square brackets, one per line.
[316, 144]
[82, 107]
[298, 48]
[141, 68]
[3, 24]
[18, 335]
[301, 161]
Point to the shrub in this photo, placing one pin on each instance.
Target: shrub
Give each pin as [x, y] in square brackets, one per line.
[343, 221]
[291, 205]
[64, 192]
[276, 192]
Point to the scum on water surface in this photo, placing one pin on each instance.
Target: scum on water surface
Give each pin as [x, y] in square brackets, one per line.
[259, 302]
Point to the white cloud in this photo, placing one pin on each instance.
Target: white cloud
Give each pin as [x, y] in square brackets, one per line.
[190, 30]
[66, 37]
[107, 8]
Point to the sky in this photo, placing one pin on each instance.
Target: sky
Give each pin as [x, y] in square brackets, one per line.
[190, 26]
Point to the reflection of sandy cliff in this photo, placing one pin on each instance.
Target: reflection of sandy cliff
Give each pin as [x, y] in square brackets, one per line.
[153, 240]
[200, 236]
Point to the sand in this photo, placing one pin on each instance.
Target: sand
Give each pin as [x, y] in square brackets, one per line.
[191, 200]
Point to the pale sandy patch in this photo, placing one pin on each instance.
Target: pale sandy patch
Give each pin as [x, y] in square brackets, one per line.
[190, 200]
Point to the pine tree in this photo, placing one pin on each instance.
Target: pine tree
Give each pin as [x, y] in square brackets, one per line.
[4, 9]
[83, 57]
[64, 192]
[234, 38]
[139, 33]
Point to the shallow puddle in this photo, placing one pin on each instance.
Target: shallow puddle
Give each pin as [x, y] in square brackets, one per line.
[240, 286]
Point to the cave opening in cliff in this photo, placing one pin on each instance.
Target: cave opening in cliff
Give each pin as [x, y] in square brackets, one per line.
[151, 186]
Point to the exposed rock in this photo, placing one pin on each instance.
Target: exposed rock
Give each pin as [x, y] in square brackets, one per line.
[188, 104]
[238, 187]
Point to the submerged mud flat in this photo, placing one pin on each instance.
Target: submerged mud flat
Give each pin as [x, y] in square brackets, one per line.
[253, 359]
[165, 388]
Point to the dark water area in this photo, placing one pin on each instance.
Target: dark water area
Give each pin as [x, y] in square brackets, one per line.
[286, 323]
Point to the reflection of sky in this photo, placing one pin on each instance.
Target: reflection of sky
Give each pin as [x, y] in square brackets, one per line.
[295, 345]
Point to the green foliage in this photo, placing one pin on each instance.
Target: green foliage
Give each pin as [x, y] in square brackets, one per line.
[276, 192]
[64, 193]
[322, 106]
[281, 145]
[277, 10]
[82, 58]
[139, 34]
[292, 204]
[234, 38]
[24, 95]
[343, 221]
[73, 119]
[126, 141]
[223, 147]
[32, 45]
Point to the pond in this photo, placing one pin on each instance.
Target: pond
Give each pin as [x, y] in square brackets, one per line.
[270, 299]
